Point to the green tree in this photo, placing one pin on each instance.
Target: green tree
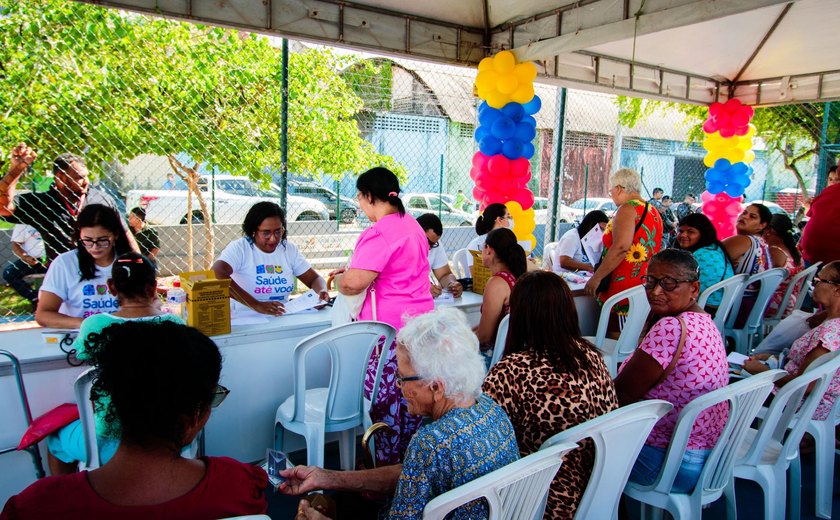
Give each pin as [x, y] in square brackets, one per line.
[111, 85]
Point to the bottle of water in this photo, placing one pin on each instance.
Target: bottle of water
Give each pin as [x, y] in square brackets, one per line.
[176, 299]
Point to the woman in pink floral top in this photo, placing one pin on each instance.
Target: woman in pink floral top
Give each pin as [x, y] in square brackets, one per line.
[779, 237]
[662, 369]
[816, 342]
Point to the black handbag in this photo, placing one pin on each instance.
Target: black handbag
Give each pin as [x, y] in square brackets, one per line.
[604, 286]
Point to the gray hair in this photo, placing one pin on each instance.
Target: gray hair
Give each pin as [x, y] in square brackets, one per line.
[628, 179]
[442, 347]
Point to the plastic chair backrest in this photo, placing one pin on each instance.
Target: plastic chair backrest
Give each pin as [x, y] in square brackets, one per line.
[628, 340]
[27, 413]
[732, 287]
[461, 263]
[745, 398]
[350, 346]
[770, 281]
[501, 339]
[515, 491]
[802, 280]
[788, 402]
[618, 437]
[82, 388]
[548, 254]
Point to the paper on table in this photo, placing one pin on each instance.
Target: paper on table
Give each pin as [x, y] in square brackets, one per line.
[593, 244]
[303, 302]
[736, 358]
[245, 316]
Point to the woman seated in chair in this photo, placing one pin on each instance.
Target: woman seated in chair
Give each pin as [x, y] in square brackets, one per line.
[549, 380]
[440, 372]
[816, 342]
[133, 283]
[697, 235]
[569, 254]
[681, 357]
[163, 380]
[780, 239]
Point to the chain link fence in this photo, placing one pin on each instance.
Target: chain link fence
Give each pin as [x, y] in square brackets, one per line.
[184, 122]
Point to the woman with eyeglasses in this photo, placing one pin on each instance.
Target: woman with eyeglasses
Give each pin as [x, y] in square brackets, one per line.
[817, 342]
[134, 285]
[262, 265]
[76, 283]
[494, 216]
[681, 357]
[163, 381]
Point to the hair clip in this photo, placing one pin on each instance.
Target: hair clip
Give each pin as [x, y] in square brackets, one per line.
[127, 269]
[130, 260]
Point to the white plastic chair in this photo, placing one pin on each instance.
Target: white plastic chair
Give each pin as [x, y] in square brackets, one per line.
[516, 491]
[732, 287]
[769, 281]
[745, 398]
[340, 407]
[461, 263]
[501, 339]
[33, 450]
[615, 351]
[548, 254]
[802, 280]
[618, 437]
[767, 452]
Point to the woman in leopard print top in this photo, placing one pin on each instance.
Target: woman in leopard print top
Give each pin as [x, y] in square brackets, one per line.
[549, 380]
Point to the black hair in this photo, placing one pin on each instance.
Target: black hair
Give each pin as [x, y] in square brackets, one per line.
[487, 219]
[592, 219]
[764, 213]
[158, 374]
[680, 258]
[543, 297]
[832, 169]
[783, 227]
[834, 265]
[508, 250]
[133, 274]
[666, 197]
[658, 190]
[98, 215]
[259, 212]
[689, 195]
[708, 233]
[381, 184]
[429, 221]
[139, 213]
[64, 162]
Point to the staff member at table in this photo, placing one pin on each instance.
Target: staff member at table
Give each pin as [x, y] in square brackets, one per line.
[262, 265]
[438, 259]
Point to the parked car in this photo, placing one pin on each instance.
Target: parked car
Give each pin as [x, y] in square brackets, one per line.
[229, 198]
[347, 206]
[575, 211]
[418, 203]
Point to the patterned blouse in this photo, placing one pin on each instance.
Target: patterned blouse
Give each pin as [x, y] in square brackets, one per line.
[826, 336]
[776, 299]
[464, 444]
[542, 400]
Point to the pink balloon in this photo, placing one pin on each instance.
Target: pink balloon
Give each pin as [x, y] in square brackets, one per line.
[520, 167]
[715, 108]
[524, 197]
[479, 160]
[475, 173]
[499, 165]
[478, 193]
[727, 131]
[732, 104]
[742, 130]
[709, 126]
[723, 120]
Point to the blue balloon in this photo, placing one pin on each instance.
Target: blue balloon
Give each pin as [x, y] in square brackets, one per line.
[722, 164]
[715, 187]
[482, 106]
[480, 133]
[533, 106]
[734, 190]
[528, 150]
[529, 120]
[488, 116]
[739, 167]
[490, 146]
[514, 111]
[512, 149]
[503, 128]
[525, 132]
[715, 175]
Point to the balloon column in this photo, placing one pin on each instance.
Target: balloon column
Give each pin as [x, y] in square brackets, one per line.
[506, 129]
[728, 144]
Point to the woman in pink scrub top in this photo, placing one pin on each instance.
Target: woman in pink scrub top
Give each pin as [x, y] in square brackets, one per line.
[390, 263]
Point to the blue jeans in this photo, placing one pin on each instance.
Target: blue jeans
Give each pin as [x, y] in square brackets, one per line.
[649, 464]
[14, 275]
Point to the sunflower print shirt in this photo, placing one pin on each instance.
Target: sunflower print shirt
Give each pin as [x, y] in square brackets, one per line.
[646, 242]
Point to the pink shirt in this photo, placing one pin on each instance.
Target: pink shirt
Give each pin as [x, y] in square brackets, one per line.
[397, 248]
[826, 336]
[701, 368]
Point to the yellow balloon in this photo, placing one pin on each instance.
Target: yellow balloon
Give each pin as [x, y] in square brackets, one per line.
[486, 80]
[751, 130]
[485, 64]
[523, 94]
[734, 155]
[710, 159]
[749, 156]
[507, 84]
[745, 143]
[514, 208]
[504, 62]
[526, 72]
[496, 99]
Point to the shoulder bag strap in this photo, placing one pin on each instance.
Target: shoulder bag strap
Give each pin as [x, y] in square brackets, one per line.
[677, 353]
[641, 220]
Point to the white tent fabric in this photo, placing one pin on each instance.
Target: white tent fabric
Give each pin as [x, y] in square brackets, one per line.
[761, 51]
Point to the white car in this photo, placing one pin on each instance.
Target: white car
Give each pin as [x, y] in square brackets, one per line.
[577, 209]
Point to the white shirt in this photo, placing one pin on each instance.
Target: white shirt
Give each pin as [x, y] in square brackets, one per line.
[265, 276]
[476, 244]
[80, 298]
[570, 246]
[438, 257]
[29, 239]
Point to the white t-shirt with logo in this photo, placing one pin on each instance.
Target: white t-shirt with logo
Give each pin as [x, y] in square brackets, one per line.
[570, 246]
[438, 257]
[265, 276]
[81, 298]
[29, 239]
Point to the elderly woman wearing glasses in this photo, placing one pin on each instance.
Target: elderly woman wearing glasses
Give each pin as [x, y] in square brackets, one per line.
[681, 357]
[162, 380]
[262, 265]
[75, 285]
[816, 342]
[440, 371]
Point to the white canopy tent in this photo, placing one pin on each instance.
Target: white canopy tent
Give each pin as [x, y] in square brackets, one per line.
[698, 51]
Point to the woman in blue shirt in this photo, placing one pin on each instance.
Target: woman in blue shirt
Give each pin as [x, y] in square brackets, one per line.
[697, 235]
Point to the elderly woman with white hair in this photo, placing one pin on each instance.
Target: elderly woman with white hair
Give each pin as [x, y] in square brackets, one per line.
[631, 238]
[440, 371]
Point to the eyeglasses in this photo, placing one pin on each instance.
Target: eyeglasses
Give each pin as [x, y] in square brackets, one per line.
[818, 280]
[401, 380]
[219, 395]
[433, 245]
[265, 234]
[89, 243]
[667, 283]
